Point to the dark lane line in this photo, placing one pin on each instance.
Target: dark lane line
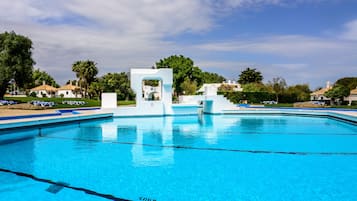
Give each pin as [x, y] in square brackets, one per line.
[87, 191]
[208, 148]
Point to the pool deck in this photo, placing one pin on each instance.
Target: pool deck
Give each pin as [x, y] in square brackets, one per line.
[18, 112]
[55, 118]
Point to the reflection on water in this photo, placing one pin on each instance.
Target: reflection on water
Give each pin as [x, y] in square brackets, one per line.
[151, 139]
[89, 133]
[251, 124]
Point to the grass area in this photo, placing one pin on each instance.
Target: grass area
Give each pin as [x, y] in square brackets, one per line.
[280, 105]
[125, 102]
[345, 106]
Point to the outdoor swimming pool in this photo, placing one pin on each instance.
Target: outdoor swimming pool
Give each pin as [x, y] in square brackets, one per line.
[208, 157]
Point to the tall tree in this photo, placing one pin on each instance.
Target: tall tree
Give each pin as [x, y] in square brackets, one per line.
[250, 76]
[86, 72]
[302, 92]
[118, 82]
[349, 82]
[182, 67]
[15, 60]
[278, 86]
[337, 93]
[39, 76]
[212, 78]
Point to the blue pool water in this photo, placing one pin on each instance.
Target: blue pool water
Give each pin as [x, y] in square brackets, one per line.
[209, 157]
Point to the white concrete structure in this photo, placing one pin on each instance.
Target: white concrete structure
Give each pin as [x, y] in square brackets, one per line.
[191, 99]
[217, 104]
[144, 107]
[211, 102]
[211, 87]
[153, 107]
[69, 91]
[109, 100]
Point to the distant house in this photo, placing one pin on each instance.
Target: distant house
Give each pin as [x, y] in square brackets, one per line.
[352, 96]
[69, 91]
[319, 94]
[214, 87]
[151, 92]
[44, 90]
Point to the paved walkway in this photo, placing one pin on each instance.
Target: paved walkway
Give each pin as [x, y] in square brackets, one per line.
[17, 112]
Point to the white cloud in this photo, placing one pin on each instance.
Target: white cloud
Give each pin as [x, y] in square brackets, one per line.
[286, 45]
[350, 32]
[123, 34]
[146, 16]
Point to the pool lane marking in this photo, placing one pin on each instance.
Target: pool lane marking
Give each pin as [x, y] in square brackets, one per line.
[87, 191]
[209, 148]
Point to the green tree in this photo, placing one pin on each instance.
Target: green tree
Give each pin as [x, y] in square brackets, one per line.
[119, 83]
[15, 60]
[337, 93]
[153, 83]
[301, 91]
[212, 78]
[255, 87]
[86, 72]
[39, 76]
[349, 82]
[182, 68]
[278, 86]
[96, 89]
[189, 87]
[74, 82]
[250, 76]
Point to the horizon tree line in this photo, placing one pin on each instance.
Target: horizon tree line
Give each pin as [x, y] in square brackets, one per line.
[16, 63]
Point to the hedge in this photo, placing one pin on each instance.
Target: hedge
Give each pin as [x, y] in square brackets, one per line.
[258, 97]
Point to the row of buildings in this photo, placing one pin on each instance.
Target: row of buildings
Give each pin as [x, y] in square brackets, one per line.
[66, 91]
[73, 91]
[319, 95]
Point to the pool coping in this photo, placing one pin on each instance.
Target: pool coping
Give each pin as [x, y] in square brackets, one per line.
[340, 115]
[55, 118]
[52, 118]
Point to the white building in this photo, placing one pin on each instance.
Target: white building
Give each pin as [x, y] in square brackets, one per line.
[319, 94]
[44, 90]
[152, 92]
[352, 96]
[69, 91]
[215, 86]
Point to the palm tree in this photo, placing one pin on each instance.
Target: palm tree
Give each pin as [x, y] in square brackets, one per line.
[85, 72]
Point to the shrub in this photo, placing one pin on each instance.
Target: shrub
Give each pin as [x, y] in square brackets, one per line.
[33, 94]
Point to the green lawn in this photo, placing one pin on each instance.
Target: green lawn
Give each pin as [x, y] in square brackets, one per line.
[125, 102]
[280, 105]
[345, 106]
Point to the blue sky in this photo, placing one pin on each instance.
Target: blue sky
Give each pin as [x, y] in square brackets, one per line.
[303, 41]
